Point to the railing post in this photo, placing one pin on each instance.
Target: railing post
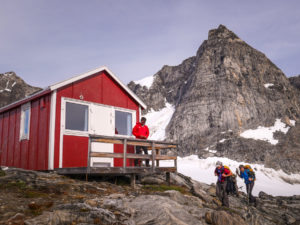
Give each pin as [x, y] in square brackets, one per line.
[124, 152]
[168, 178]
[153, 157]
[157, 153]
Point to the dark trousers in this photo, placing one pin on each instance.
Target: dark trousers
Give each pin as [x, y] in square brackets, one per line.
[222, 193]
[249, 191]
[139, 150]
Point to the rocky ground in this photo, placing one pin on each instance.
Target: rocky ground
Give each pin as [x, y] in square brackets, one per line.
[28, 197]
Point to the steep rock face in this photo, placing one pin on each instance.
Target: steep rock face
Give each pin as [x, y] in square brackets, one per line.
[227, 86]
[168, 85]
[13, 88]
[295, 81]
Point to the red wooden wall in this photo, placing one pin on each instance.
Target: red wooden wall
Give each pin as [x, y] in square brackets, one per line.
[99, 88]
[27, 154]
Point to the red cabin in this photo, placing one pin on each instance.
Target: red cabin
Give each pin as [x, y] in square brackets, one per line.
[50, 129]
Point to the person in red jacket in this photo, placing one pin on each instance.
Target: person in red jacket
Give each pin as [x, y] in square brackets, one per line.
[222, 173]
[141, 131]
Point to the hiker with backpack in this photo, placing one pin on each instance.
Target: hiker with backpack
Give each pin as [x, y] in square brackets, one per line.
[248, 175]
[221, 185]
[231, 186]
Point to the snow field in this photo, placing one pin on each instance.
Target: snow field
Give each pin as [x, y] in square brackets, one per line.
[268, 180]
[266, 133]
[147, 81]
[157, 121]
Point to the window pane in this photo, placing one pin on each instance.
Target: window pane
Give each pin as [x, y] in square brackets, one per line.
[76, 116]
[123, 123]
[26, 122]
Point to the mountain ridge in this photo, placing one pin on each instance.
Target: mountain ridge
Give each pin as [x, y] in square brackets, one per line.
[227, 86]
[13, 88]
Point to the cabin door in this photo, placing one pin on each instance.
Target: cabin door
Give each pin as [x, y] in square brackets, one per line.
[102, 123]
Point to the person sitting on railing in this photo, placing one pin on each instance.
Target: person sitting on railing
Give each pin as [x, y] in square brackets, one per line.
[141, 131]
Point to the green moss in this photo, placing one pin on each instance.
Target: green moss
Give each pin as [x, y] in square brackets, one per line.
[19, 184]
[33, 194]
[84, 210]
[163, 188]
[2, 173]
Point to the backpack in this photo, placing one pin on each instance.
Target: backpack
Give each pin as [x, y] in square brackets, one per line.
[250, 172]
[227, 167]
[230, 187]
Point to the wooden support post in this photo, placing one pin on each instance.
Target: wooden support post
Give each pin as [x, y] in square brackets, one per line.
[124, 152]
[153, 157]
[168, 178]
[132, 180]
[175, 161]
[157, 153]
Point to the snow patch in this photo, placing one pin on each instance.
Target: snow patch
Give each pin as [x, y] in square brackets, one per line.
[268, 85]
[293, 122]
[266, 133]
[267, 180]
[6, 88]
[221, 141]
[157, 121]
[147, 81]
[210, 150]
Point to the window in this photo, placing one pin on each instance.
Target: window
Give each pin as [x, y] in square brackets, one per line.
[123, 123]
[76, 116]
[25, 121]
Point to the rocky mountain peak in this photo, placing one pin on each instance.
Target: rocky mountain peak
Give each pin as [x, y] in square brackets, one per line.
[227, 88]
[221, 33]
[13, 88]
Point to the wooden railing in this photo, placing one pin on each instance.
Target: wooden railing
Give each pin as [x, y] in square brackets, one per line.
[156, 148]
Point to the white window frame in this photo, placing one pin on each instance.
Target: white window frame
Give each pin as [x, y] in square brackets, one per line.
[90, 105]
[133, 119]
[63, 121]
[24, 108]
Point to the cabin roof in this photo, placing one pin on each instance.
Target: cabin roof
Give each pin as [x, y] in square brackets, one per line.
[71, 80]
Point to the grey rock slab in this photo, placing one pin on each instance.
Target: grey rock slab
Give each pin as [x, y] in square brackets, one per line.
[152, 209]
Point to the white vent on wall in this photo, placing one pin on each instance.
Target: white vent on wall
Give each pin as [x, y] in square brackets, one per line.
[101, 164]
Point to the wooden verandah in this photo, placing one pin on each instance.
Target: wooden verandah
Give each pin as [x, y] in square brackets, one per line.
[160, 150]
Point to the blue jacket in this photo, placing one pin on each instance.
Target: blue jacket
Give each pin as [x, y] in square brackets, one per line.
[245, 176]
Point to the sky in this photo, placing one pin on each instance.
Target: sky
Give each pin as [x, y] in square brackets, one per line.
[46, 42]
